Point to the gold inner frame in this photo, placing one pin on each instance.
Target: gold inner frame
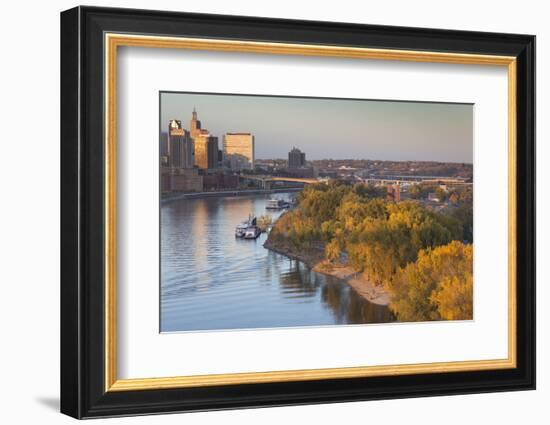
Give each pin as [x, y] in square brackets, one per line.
[113, 41]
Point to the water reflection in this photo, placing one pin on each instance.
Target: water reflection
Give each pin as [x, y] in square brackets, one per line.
[211, 280]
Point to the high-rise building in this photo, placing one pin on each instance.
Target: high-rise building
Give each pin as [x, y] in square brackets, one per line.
[296, 158]
[180, 146]
[206, 145]
[194, 125]
[206, 151]
[238, 150]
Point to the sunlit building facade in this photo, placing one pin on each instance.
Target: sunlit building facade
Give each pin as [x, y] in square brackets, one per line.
[206, 145]
[206, 151]
[238, 150]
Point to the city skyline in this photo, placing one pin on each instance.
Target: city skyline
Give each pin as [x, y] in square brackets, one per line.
[333, 128]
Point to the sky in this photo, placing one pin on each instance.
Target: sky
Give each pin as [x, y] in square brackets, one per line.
[332, 128]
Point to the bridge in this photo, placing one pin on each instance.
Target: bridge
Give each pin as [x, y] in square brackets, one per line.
[454, 181]
[296, 180]
[265, 182]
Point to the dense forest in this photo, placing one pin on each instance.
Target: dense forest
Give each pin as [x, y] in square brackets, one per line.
[421, 257]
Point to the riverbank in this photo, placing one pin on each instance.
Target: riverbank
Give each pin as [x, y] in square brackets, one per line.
[315, 259]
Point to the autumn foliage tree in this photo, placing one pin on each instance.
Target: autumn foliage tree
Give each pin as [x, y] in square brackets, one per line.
[381, 236]
[438, 285]
[332, 250]
[416, 254]
[454, 298]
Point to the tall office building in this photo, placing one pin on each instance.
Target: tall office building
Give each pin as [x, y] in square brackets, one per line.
[238, 150]
[296, 158]
[194, 125]
[206, 145]
[206, 151]
[180, 146]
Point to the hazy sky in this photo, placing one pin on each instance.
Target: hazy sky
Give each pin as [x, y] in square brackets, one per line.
[333, 128]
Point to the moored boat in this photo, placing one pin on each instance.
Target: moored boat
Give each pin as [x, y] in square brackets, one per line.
[276, 204]
[252, 232]
[241, 228]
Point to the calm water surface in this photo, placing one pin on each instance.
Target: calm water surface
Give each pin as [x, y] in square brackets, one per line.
[211, 280]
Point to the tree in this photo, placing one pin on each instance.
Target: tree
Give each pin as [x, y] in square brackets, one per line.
[415, 191]
[381, 237]
[437, 286]
[454, 198]
[441, 194]
[464, 215]
[369, 191]
[454, 298]
[466, 195]
[319, 202]
[417, 254]
[332, 250]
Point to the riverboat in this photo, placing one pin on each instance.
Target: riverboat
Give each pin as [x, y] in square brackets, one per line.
[241, 228]
[276, 204]
[252, 232]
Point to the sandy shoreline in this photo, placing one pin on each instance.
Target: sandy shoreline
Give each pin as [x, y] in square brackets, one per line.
[315, 259]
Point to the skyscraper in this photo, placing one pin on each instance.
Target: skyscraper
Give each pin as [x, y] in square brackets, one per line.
[206, 145]
[238, 150]
[206, 151]
[194, 124]
[296, 158]
[180, 146]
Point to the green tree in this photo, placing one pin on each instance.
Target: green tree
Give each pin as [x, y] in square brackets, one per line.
[369, 191]
[464, 215]
[415, 191]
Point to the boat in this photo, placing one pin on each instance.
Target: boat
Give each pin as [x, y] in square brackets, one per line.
[252, 232]
[241, 228]
[276, 204]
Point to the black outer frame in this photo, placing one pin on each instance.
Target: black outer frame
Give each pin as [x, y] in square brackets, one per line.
[82, 219]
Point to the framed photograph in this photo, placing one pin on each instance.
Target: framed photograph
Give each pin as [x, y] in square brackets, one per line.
[261, 212]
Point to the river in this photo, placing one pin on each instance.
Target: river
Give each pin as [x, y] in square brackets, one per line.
[212, 281]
